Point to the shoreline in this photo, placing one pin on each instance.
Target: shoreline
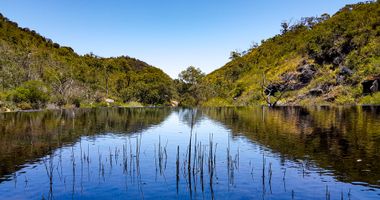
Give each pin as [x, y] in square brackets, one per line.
[279, 106]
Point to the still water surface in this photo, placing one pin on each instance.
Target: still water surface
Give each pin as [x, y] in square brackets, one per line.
[220, 153]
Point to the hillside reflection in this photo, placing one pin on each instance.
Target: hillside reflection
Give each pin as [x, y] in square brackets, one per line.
[343, 140]
[26, 137]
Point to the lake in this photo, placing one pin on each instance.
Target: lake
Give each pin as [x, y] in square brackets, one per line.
[210, 153]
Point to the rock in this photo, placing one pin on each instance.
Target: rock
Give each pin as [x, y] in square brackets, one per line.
[337, 60]
[109, 100]
[289, 76]
[316, 92]
[345, 71]
[174, 103]
[296, 86]
[371, 85]
[307, 73]
[273, 88]
[375, 86]
[330, 98]
[51, 106]
[340, 79]
[293, 80]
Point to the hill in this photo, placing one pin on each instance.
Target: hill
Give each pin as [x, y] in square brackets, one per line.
[318, 60]
[36, 72]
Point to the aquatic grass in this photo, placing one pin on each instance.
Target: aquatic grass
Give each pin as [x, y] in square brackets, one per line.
[197, 157]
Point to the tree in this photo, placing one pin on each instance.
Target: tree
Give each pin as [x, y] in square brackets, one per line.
[273, 92]
[284, 27]
[189, 86]
[235, 54]
[191, 75]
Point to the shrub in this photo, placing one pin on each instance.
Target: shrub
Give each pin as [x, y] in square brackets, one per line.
[35, 93]
[76, 102]
[373, 99]
[24, 106]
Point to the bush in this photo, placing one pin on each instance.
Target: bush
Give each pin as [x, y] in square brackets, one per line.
[373, 99]
[35, 93]
[76, 102]
[24, 106]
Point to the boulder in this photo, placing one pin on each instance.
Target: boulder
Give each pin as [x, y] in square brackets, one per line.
[109, 101]
[371, 85]
[306, 73]
[375, 86]
[174, 103]
[316, 92]
[338, 60]
[345, 71]
[273, 88]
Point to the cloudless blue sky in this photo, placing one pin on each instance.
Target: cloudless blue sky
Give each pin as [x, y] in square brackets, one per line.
[169, 34]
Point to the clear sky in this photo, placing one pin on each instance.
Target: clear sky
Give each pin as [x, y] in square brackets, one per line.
[169, 34]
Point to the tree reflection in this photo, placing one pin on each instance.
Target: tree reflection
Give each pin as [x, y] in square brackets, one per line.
[27, 136]
[344, 140]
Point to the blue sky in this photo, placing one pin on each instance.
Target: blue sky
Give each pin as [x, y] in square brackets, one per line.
[169, 34]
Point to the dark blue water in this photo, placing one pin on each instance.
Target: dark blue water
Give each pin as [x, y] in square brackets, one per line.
[242, 153]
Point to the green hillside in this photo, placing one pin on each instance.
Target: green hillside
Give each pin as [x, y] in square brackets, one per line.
[326, 60]
[318, 60]
[36, 72]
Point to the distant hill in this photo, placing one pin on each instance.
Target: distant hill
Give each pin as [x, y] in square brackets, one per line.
[325, 60]
[36, 72]
[318, 60]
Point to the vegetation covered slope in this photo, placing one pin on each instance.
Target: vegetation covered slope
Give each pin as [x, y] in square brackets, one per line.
[318, 60]
[35, 72]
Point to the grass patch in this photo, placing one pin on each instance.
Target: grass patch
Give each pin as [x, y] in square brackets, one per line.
[373, 99]
[216, 102]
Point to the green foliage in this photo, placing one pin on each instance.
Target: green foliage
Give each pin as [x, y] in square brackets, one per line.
[26, 56]
[190, 87]
[24, 106]
[216, 102]
[373, 99]
[33, 94]
[191, 75]
[132, 104]
[350, 39]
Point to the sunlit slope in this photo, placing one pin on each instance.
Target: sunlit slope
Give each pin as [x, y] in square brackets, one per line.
[26, 56]
[321, 60]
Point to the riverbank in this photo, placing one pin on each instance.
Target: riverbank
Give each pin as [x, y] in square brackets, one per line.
[11, 107]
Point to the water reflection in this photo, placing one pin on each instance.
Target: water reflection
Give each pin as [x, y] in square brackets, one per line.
[219, 153]
[345, 140]
[28, 136]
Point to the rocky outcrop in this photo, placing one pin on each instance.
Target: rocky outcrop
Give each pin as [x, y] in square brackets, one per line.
[316, 92]
[304, 73]
[343, 75]
[371, 85]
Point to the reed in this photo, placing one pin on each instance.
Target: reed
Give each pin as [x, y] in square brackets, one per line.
[327, 193]
[177, 168]
[190, 165]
